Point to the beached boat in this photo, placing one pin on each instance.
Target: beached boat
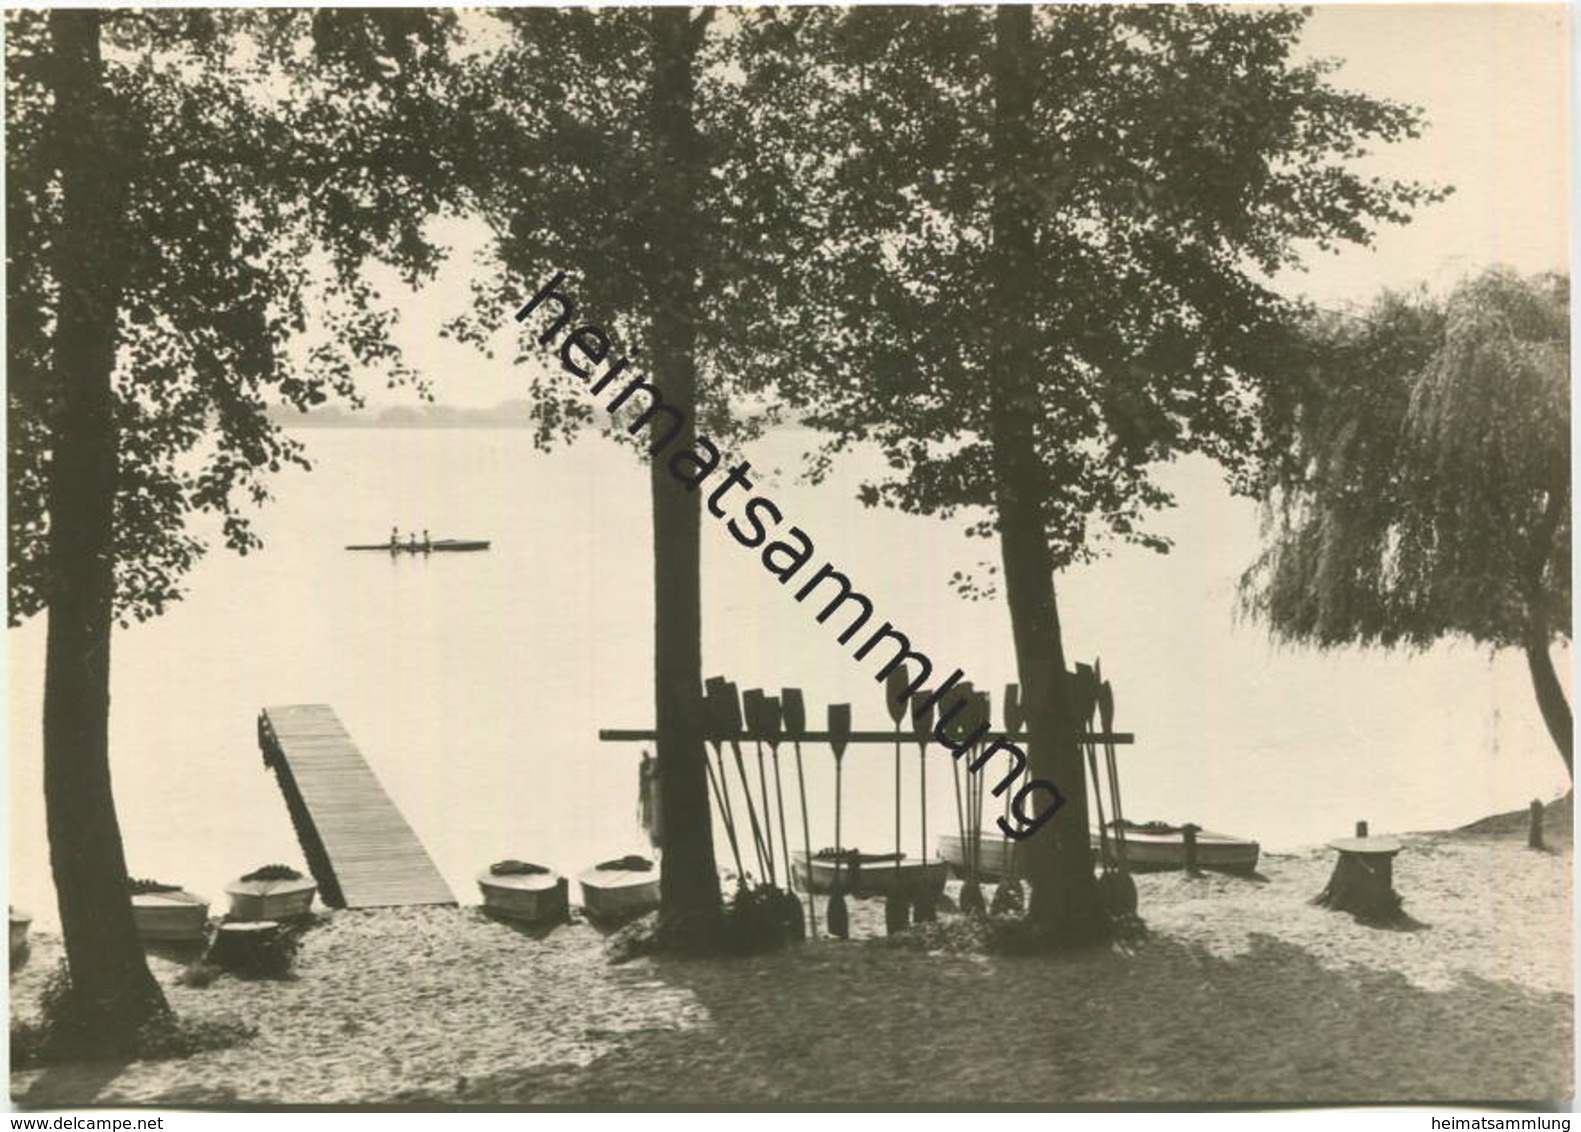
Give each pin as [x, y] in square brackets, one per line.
[284, 899]
[20, 922]
[438, 546]
[533, 897]
[995, 854]
[174, 915]
[620, 890]
[868, 874]
[1156, 846]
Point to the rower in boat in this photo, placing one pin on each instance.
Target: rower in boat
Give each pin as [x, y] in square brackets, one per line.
[395, 539]
[427, 546]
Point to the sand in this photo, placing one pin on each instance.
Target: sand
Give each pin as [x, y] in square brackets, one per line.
[1241, 991]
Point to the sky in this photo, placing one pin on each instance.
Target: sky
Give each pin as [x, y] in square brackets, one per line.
[1491, 78]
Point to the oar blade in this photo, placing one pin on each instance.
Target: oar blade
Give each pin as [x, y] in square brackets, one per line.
[896, 689]
[793, 709]
[839, 727]
[922, 715]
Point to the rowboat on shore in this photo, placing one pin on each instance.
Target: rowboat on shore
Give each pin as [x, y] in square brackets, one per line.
[280, 899]
[172, 915]
[20, 922]
[530, 894]
[438, 546]
[619, 890]
[1156, 846]
[867, 874]
[995, 855]
[1148, 848]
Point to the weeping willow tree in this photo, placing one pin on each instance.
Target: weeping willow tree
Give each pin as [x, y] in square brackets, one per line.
[1424, 491]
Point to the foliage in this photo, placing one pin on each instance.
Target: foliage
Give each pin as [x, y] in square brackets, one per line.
[760, 918]
[756, 919]
[200, 975]
[1011, 933]
[568, 145]
[65, 1030]
[264, 955]
[1180, 158]
[259, 178]
[142, 886]
[273, 872]
[1425, 486]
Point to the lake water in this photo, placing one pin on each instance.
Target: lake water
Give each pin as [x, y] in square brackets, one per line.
[476, 684]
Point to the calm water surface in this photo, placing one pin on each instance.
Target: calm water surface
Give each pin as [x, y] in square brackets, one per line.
[476, 684]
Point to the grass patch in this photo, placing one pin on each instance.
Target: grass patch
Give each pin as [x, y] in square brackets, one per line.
[66, 1032]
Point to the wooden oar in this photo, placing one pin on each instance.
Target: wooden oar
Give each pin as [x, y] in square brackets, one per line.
[838, 917]
[753, 703]
[1105, 698]
[981, 713]
[971, 891]
[795, 717]
[718, 719]
[925, 910]
[897, 903]
[1124, 886]
[773, 720]
[1009, 896]
[746, 784]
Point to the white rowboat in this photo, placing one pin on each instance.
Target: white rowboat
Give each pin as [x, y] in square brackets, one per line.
[253, 900]
[994, 854]
[1144, 852]
[1157, 851]
[177, 915]
[871, 878]
[619, 894]
[532, 898]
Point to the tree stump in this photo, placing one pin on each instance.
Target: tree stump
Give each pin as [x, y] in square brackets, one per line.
[256, 948]
[1363, 879]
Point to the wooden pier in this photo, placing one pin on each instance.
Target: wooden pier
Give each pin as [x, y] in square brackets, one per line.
[358, 846]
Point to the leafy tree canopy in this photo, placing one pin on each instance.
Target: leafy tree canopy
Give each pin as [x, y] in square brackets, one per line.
[1181, 158]
[565, 115]
[266, 156]
[1425, 489]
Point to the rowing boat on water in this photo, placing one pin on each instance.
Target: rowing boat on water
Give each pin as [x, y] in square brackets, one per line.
[438, 546]
[868, 874]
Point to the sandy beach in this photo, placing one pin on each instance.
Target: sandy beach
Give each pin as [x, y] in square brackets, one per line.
[1242, 990]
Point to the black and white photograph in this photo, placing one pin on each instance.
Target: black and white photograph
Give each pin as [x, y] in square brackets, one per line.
[881, 557]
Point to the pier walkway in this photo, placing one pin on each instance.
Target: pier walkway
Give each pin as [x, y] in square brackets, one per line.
[358, 846]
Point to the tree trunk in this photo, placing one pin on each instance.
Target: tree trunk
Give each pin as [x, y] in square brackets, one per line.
[1551, 701]
[1065, 896]
[109, 973]
[689, 880]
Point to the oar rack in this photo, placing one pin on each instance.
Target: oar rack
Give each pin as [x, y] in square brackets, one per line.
[732, 718]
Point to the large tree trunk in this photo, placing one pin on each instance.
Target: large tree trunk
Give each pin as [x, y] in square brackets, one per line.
[1059, 857]
[689, 882]
[109, 973]
[1551, 700]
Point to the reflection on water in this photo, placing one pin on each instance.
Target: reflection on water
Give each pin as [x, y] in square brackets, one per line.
[476, 683]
